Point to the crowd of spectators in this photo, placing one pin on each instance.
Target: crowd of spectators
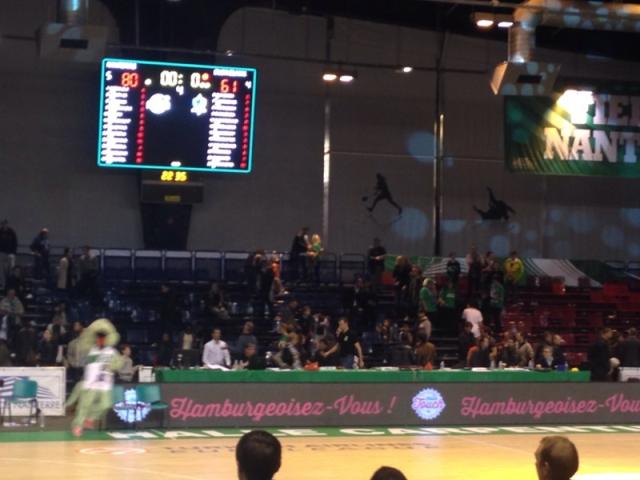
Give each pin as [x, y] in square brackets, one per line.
[467, 307]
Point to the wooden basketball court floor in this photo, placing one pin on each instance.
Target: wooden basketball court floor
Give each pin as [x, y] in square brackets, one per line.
[604, 456]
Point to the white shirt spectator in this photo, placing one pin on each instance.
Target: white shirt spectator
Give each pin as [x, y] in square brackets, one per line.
[474, 317]
[216, 353]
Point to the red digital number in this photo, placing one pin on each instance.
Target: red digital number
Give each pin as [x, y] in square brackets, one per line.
[226, 87]
[131, 80]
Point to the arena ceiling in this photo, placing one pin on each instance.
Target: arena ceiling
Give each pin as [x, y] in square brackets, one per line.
[194, 24]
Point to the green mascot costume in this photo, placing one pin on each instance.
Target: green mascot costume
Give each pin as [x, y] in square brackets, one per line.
[94, 393]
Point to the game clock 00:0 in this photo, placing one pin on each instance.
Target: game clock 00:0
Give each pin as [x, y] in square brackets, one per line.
[175, 116]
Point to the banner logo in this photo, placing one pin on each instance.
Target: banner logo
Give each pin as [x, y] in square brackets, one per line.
[428, 404]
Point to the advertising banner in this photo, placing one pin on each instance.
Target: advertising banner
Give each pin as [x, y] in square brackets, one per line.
[576, 132]
[51, 388]
[404, 404]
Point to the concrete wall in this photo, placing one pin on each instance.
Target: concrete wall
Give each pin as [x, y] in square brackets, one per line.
[381, 123]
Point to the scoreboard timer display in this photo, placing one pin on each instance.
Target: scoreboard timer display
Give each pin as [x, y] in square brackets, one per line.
[176, 116]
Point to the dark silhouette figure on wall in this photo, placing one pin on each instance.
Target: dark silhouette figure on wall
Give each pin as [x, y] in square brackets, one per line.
[381, 192]
[497, 210]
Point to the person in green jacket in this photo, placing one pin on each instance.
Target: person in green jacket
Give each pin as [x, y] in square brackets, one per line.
[447, 308]
[429, 300]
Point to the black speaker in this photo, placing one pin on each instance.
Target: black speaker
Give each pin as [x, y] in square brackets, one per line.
[165, 226]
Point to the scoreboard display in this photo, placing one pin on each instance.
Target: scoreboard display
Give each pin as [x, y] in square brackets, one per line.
[175, 116]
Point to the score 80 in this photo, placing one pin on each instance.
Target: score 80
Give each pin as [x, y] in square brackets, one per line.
[130, 79]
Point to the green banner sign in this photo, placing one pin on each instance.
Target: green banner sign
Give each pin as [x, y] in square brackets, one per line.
[578, 132]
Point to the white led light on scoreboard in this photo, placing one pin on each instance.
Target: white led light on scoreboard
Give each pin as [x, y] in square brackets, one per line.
[169, 116]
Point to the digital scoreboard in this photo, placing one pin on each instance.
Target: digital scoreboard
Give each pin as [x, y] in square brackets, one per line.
[175, 116]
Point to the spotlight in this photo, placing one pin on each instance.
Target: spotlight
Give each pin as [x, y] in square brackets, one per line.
[347, 77]
[484, 23]
[228, 53]
[505, 24]
[576, 103]
[405, 69]
[487, 20]
[329, 77]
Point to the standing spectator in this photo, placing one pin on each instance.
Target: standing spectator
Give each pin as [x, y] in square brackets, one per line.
[496, 303]
[11, 311]
[599, 356]
[47, 350]
[472, 315]
[453, 269]
[628, 351]
[556, 459]
[474, 266]
[65, 272]
[75, 357]
[424, 325]
[513, 273]
[558, 349]
[40, 249]
[88, 271]
[466, 340]
[348, 346]
[216, 352]
[313, 256]
[412, 292]
[447, 308]
[489, 266]
[127, 370]
[429, 301]
[8, 249]
[15, 281]
[164, 351]
[375, 263]
[25, 345]
[246, 337]
[297, 255]
[258, 456]
[401, 277]
[525, 350]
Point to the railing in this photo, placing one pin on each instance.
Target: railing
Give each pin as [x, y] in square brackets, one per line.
[149, 266]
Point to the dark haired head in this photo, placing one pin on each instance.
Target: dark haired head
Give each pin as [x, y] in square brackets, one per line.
[556, 458]
[388, 473]
[258, 455]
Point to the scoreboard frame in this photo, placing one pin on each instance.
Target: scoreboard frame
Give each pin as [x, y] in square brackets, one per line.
[249, 168]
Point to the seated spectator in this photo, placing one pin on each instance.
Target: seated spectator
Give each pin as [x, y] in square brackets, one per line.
[466, 340]
[258, 456]
[187, 339]
[509, 355]
[547, 359]
[250, 359]
[289, 351]
[628, 351]
[65, 274]
[556, 459]
[388, 473]
[558, 349]
[47, 350]
[246, 337]
[59, 326]
[525, 350]
[216, 351]
[26, 345]
[323, 360]
[483, 355]
[387, 332]
[472, 315]
[425, 352]
[547, 341]
[216, 303]
[15, 281]
[127, 370]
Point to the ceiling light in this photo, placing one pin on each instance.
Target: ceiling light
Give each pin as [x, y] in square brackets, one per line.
[347, 77]
[505, 24]
[484, 23]
[406, 69]
[329, 77]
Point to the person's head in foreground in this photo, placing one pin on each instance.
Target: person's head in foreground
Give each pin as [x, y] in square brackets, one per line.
[388, 473]
[556, 458]
[258, 455]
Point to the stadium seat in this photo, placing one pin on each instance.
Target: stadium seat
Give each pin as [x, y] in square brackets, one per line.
[234, 266]
[178, 266]
[117, 266]
[352, 265]
[147, 266]
[207, 267]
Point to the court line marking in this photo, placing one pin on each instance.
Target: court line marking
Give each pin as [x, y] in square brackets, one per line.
[104, 467]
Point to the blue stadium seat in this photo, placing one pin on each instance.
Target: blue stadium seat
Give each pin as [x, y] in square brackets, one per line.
[352, 265]
[147, 265]
[178, 266]
[207, 267]
[117, 265]
[234, 266]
